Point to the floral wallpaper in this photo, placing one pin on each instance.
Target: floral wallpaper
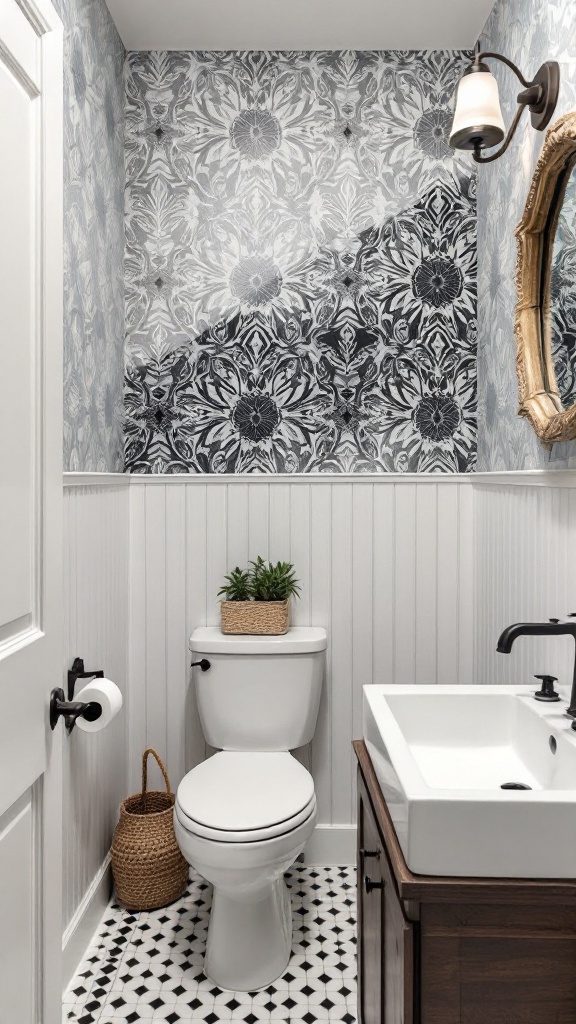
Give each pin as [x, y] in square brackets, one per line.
[93, 238]
[300, 264]
[529, 32]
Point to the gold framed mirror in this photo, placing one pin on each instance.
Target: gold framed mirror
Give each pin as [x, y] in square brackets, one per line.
[545, 322]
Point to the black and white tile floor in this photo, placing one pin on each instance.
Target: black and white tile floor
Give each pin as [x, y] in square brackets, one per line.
[148, 966]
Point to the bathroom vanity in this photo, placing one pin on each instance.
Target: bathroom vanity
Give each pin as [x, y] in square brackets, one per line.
[456, 950]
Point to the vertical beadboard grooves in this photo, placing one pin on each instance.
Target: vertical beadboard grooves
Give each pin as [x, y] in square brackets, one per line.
[384, 566]
[96, 628]
[524, 571]
[414, 578]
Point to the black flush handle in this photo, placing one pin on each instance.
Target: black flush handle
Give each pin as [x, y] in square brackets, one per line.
[203, 665]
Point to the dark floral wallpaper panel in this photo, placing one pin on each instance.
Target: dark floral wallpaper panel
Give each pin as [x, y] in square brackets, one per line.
[300, 264]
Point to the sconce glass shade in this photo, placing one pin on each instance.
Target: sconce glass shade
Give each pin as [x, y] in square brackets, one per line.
[478, 122]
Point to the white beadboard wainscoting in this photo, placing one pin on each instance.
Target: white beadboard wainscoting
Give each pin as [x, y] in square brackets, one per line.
[525, 570]
[385, 565]
[414, 578]
[96, 602]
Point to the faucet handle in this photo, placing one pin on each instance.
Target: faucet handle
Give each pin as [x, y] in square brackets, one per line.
[547, 691]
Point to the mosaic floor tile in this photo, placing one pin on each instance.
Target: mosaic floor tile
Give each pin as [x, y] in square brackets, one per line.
[149, 966]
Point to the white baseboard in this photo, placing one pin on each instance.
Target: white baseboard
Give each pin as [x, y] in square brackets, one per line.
[85, 921]
[331, 844]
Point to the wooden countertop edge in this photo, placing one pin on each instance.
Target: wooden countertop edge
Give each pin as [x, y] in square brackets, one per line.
[454, 890]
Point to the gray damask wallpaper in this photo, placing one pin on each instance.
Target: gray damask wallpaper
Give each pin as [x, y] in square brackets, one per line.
[300, 264]
[93, 238]
[529, 32]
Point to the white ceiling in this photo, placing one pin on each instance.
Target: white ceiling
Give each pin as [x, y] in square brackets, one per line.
[299, 24]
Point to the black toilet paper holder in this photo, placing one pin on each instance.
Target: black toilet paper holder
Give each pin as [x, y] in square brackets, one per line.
[78, 672]
[70, 709]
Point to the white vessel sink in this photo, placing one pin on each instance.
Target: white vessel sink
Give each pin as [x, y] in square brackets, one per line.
[441, 755]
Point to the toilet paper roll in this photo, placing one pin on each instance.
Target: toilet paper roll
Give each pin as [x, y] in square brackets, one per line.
[105, 693]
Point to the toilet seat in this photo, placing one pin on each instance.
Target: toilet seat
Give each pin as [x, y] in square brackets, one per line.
[238, 796]
[249, 836]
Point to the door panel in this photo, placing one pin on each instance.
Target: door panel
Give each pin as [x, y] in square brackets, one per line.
[17, 301]
[30, 508]
[21, 228]
[18, 921]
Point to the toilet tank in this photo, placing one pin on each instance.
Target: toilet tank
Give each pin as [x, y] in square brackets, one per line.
[260, 692]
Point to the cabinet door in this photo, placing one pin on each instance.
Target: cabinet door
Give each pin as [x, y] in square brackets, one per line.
[385, 937]
[398, 955]
[370, 918]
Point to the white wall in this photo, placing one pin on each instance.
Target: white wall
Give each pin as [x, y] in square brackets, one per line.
[525, 570]
[414, 578]
[385, 565]
[96, 629]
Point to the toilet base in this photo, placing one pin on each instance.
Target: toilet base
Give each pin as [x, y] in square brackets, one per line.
[250, 928]
[249, 941]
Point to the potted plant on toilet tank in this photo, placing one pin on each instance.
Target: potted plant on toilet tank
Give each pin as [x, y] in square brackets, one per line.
[256, 599]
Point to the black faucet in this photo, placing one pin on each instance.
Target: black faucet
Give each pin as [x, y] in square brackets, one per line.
[552, 628]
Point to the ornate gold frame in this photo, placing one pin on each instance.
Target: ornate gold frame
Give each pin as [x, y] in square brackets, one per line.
[539, 397]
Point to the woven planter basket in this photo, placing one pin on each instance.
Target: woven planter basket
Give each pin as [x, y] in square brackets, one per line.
[263, 618]
[149, 870]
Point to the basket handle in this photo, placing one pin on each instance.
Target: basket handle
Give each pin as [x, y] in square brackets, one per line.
[161, 766]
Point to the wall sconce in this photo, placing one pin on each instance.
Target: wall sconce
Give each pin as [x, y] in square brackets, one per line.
[478, 122]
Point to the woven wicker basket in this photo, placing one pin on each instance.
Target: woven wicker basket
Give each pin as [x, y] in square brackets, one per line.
[268, 618]
[149, 870]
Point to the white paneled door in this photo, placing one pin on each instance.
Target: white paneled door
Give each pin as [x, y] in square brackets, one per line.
[30, 507]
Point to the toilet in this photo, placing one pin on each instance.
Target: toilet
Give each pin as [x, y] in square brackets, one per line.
[244, 815]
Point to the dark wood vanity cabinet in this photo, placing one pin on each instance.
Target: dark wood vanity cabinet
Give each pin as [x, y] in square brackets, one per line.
[439, 950]
[385, 936]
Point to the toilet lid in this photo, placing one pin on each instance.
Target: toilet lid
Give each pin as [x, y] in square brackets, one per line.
[239, 791]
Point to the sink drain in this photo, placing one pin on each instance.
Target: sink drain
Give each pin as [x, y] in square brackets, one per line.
[514, 785]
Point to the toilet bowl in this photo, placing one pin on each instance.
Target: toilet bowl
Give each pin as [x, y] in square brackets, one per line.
[244, 815]
[242, 818]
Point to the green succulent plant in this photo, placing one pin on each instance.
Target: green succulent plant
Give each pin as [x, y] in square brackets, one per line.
[273, 582]
[238, 587]
[262, 581]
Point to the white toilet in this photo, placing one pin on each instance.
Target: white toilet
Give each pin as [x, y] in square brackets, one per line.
[243, 816]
